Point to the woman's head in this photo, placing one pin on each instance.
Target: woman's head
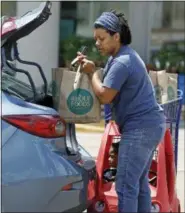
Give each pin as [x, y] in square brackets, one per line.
[111, 30]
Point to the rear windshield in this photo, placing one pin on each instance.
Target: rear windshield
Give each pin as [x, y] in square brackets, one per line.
[15, 87]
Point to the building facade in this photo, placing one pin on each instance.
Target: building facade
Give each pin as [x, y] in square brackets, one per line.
[151, 24]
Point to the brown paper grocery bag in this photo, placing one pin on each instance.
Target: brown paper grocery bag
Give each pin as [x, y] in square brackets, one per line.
[172, 85]
[165, 85]
[73, 96]
[159, 80]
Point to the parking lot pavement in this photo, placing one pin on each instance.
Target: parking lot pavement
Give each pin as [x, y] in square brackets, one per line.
[91, 142]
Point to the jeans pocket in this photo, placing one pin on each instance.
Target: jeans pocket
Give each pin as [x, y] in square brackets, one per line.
[156, 135]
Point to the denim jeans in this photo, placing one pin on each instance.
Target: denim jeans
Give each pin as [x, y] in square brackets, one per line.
[134, 160]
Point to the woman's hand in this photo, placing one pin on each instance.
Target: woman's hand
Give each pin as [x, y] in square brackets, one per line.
[87, 65]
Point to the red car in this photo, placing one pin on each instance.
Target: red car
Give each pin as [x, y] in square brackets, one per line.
[162, 176]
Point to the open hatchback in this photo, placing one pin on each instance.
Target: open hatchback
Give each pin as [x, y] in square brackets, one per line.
[44, 169]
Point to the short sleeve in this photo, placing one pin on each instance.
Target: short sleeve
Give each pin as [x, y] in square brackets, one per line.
[116, 76]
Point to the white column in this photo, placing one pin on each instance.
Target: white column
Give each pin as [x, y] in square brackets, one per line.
[140, 21]
[42, 45]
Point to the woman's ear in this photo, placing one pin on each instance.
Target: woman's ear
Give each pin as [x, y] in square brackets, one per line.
[117, 37]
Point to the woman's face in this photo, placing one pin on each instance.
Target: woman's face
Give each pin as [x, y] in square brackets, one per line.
[113, 158]
[105, 43]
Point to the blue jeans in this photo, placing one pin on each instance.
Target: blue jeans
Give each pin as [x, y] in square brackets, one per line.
[134, 160]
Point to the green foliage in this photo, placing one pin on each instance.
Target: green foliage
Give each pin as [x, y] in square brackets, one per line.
[170, 57]
[69, 48]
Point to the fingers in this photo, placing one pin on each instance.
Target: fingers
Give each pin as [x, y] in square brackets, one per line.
[79, 54]
[82, 59]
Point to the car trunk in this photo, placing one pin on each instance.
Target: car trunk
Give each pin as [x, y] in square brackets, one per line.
[15, 87]
[76, 152]
[70, 139]
[28, 94]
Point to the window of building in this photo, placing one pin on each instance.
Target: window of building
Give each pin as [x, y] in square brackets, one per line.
[76, 23]
[83, 11]
[178, 12]
[68, 19]
[168, 15]
[87, 12]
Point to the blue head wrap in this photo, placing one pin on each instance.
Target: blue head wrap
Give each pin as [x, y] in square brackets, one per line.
[109, 21]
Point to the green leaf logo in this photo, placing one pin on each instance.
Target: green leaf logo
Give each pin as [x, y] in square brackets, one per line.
[171, 93]
[158, 92]
[80, 102]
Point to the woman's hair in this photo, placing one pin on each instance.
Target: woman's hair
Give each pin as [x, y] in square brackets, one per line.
[125, 34]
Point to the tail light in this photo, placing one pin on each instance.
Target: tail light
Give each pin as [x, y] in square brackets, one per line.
[46, 126]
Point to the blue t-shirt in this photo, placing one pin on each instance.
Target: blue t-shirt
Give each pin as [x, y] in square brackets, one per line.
[135, 105]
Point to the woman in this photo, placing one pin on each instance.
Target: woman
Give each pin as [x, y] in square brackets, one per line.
[128, 88]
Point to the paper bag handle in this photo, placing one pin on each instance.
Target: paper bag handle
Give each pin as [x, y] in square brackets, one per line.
[77, 77]
[78, 72]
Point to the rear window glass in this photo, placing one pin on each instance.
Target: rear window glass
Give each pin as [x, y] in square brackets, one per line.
[15, 87]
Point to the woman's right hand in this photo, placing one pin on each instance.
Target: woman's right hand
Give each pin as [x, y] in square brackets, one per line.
[88, 66]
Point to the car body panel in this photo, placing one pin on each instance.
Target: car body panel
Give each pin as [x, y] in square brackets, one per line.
[28, 196]
[21, 107]
[8, 132]
[40, 160]
[35, 169]
[38, 174]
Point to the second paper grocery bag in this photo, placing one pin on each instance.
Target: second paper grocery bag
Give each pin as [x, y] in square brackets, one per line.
[159, 80]
[73, 96]
[172, 85]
